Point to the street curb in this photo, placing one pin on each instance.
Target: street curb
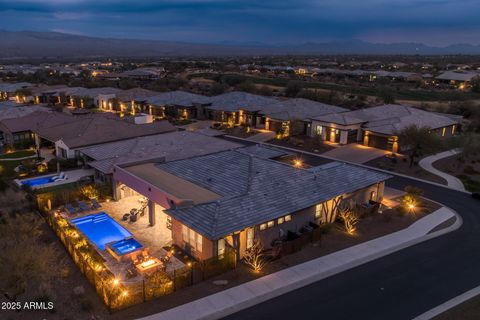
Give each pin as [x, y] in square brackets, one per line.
[438, 310]
[254, 299]
[352, 163]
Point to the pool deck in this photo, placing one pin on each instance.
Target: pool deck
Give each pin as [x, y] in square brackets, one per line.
[152, 237]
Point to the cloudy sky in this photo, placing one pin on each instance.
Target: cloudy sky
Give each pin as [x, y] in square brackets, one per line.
[434, 22]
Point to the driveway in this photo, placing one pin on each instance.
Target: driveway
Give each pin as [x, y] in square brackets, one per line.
[354, 152]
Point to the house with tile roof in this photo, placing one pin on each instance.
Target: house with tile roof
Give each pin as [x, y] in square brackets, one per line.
[378, 126]
[236, 197]
[178, 104]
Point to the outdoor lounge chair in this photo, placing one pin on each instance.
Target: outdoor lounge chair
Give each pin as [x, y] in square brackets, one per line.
[95, 204]
[83, 206]
[70, 209]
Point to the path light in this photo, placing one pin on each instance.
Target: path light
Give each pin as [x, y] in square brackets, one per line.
[116, 282]
[125, 293]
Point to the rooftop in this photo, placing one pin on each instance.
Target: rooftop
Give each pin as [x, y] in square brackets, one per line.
[236, 100]
[253, 190]
[169, 146]
[390, 118]
[97, 128]
[177, 98]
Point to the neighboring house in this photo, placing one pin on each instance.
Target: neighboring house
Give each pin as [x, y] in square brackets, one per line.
[239, 196]
[46, 94]
[131, 100]
[161, 147]
[8, 91]
[461, 79]
[239, 108]
[177, 104]
[80, 97]
[20, 131]
[93, 129]
[378, 126]
[292, 116]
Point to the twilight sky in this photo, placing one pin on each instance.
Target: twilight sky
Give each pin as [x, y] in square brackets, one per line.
[434, 22]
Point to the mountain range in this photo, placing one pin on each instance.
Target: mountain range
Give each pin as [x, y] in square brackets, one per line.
[30, 44]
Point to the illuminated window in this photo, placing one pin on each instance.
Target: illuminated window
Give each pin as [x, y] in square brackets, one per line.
[443, 132]
[318, 211]
[280, 220]
[319, 130]
[192, 238]
[288, 218]
[453, 129]
[263, 226]
[270, 224]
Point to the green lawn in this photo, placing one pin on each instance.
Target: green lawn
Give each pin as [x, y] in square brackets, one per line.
[402, 94]
[17, 154]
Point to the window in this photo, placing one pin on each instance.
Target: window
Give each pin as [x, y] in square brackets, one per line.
[453, 129]
[288, 217]
[443, 132]
[318, 211]
[319, 130]
[221, 247]
[270, 224]
[263, 226]
[250, 237]
[280, 220]
[192, 238]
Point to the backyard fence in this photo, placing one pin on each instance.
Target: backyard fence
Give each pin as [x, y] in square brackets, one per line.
[118, 295]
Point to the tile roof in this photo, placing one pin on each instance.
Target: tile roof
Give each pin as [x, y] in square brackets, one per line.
[177, 98]
[34, 121]
[390, 118]
[256, 190]
[236, 100]
[458, 76]
[170, 146]
[299, 108]
[94, 129]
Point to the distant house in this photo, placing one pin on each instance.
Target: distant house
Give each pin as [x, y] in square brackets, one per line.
[292, 116]
[378, 126]
[19, 131]
[177, 104]
[46, 94]
[131, 100]
[8, 91]
[94, 129]
[160, 147]
[80, 97]
[234, 198]
[460, 79]
[239, 108]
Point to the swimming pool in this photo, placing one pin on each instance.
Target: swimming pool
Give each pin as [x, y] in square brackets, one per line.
[101, 229]
[38, 181]
[126, 246]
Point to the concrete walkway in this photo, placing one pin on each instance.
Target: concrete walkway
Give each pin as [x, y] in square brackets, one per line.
[270, 286]
[427, 164]
[17, 159]
[355, 153]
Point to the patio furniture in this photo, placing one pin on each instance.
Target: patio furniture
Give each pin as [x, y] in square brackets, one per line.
[95, 204]
[70, 209]
[83, 206]
[125, 216]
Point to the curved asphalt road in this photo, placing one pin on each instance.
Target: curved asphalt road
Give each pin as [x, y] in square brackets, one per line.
[399, 286]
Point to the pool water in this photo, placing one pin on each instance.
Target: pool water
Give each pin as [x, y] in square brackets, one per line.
[38, 181]
[101, 229]
[126, 246]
